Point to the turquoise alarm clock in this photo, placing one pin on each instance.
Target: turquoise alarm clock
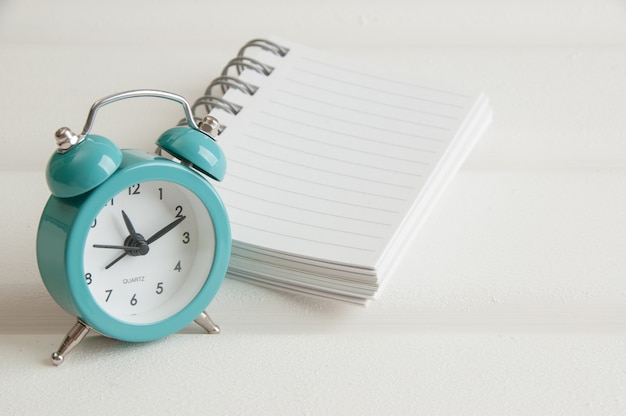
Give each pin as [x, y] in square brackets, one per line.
[133, 244]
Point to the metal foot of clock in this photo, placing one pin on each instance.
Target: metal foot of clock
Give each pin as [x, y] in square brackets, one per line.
[75, 336]
[207, 324]
[80, 330]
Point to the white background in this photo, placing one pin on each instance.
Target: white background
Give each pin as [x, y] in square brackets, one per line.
[512, 299]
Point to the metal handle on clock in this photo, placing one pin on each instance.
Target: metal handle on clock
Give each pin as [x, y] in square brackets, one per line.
[138, 93]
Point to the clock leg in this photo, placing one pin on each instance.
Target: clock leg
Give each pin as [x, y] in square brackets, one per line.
[76, 335]
[205, 322]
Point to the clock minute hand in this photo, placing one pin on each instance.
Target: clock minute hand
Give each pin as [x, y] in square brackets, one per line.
[152, 239]
[165, 230]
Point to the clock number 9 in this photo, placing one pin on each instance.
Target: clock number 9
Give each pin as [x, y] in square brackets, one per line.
[88, 278]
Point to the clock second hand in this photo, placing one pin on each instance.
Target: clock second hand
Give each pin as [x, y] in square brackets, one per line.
[127, 248]
[115, 247]
[116, 260]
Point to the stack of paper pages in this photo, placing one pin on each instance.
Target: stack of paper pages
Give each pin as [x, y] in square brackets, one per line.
[332, 168]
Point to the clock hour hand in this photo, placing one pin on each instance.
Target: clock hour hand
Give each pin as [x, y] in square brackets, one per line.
[139, 245]
[129, 225]
[131, 229]
[165, 230]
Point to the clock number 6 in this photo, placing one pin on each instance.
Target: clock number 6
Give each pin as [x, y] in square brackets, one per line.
[133, 300]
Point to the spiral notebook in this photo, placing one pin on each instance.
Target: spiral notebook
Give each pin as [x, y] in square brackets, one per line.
[332, 167]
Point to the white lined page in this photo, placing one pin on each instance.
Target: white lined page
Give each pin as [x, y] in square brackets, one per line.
[325, 160]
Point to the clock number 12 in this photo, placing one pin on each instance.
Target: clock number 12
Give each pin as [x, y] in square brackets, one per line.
[134, 189]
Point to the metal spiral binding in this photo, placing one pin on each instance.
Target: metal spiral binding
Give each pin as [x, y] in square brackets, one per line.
[265, 45]
[242, 62]
[231, 82]
[210, 101]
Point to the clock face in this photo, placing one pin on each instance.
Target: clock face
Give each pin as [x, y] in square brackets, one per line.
[149, 252]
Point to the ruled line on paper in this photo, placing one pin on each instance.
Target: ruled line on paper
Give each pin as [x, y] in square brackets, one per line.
[380, 78]
[316, 197]
[345, 134]
[307, 224]
[317, 169]
[308, 210]
[315, 157]
[343, 120]
[317, 126]
[376, 168]
[322, 184]
[359, 111]
[378, 90]
[354, 149]
[368, 100]
[299, 237]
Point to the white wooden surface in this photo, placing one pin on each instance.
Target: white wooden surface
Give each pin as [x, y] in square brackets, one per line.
[513, 297]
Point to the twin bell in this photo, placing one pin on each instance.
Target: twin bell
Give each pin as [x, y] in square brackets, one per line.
[82, 162]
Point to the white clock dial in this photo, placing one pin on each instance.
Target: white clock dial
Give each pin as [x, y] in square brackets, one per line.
[149, 252]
